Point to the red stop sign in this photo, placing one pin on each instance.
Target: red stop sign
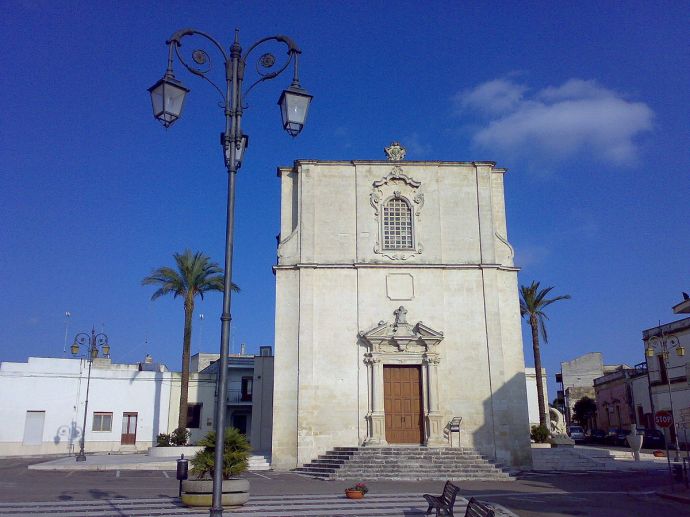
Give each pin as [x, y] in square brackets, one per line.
[663, 418]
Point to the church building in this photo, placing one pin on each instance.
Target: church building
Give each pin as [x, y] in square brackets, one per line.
[397, 310]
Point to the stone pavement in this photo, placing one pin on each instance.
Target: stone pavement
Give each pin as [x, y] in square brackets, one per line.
[578, 458]
[125, 462]
[404, 504]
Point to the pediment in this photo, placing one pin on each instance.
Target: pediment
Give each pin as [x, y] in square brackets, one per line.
[401, 335]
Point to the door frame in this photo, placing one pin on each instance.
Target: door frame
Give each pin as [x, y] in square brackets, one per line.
[431, 415]
[126, 416]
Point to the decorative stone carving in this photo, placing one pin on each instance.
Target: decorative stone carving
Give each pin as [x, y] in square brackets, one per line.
[401, 336]
[369, 359]
[557, 421]
[395, 152]
[559, 436]
[510, 250]
[400, 316]
[397, 175]
[431, 359]
[397, 185]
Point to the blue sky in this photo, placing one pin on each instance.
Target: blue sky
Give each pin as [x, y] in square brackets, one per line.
[585, 103]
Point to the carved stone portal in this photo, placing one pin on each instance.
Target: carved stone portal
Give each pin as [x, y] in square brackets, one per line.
[401, 343]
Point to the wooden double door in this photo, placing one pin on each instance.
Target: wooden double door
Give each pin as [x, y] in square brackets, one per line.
[129, 429]
[402, 404]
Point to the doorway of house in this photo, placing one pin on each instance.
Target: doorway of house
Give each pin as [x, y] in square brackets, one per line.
[33, 427]
[402, 404]
[239, 422]
[129, 429]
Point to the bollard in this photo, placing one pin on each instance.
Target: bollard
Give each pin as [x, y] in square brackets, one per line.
[182, 471]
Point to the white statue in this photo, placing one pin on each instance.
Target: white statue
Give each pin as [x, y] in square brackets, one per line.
[557, 421]
[559, 435]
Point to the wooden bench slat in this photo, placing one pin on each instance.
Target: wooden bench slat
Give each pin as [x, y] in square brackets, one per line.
[476, 508]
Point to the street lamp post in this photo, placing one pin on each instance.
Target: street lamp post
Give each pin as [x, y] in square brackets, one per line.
[167, 98]
[664, 344]
[94, 342]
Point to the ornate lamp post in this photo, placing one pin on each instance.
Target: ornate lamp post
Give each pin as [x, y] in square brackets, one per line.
[663, 344]
[167, 98]
[93, 342]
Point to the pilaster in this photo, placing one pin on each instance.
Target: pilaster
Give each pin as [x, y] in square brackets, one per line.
[376, 417]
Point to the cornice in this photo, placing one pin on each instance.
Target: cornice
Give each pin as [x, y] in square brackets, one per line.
[362, 265]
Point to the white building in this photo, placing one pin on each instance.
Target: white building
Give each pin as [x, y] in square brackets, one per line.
[396, 310]
[668, 370]
[129, 404]
[532, 397]
[43, 401]
[577, 379]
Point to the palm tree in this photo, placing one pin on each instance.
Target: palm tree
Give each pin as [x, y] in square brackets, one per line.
[533, 301]
[194, 275]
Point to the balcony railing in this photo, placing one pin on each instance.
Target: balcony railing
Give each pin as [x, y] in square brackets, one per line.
[238, 397]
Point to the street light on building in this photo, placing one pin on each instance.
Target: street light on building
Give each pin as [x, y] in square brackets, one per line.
[167, 99]
[93, 343]
[660, 346]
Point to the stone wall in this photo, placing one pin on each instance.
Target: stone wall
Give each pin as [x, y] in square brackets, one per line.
[334, 281]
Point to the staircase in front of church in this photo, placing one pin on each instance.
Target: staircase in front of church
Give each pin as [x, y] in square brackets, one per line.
[403, 463]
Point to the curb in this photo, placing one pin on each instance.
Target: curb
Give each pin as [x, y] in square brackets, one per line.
[674, 497]
[105, 466]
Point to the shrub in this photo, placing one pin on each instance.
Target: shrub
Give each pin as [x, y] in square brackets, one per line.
[359, 487]
[180, 436]
[540, 433]
[163, 440]
[235, 456]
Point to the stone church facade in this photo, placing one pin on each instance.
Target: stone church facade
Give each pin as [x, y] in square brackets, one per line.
[396, 310]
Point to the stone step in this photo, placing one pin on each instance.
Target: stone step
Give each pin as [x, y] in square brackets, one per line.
[407, 461]
[411, 463]
[413, 454]
[416, 468]
[258, 462]
[423, 478]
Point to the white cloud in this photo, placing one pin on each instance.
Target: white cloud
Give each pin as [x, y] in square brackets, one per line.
[530, 255]
[558, 122]
[494, 97]
[416, 149]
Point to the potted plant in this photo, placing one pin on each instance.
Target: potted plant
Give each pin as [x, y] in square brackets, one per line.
[357, 491]
[540, 436]
[199, 491]
[173, 444]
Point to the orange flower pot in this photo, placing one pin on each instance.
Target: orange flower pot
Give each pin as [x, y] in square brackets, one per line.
[354, 494]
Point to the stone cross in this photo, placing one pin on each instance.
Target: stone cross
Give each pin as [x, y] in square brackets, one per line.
[400, 316]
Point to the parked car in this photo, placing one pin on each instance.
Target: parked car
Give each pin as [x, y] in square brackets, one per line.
[653, 439]
[596, 436]
[577, 433]
[617, 437]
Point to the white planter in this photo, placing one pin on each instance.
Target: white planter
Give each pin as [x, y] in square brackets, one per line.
[198, 492]
[174, 452]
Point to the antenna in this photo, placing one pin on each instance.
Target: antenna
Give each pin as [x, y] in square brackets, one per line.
[68, 314]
